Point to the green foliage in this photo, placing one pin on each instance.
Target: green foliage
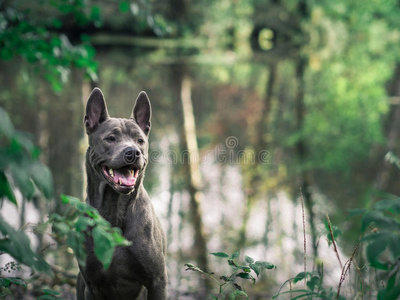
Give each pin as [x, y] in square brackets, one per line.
[81, 220]
[43, 37]
[21, 35]
[381, 226]
[21, 170]
[335, 232]
[314, 288]
[5, 282]
[19, 164]
[235, 290]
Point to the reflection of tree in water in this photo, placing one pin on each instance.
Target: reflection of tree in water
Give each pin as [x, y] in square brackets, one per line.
[308, 83]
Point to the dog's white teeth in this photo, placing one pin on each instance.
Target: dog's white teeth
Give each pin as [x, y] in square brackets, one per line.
[131, 172]
[120, 181]
[112, 173]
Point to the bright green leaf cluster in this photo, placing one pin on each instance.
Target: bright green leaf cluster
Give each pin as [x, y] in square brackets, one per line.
[239, 271]
[82, 220]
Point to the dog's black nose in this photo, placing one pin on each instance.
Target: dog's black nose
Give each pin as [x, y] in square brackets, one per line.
[131, 154]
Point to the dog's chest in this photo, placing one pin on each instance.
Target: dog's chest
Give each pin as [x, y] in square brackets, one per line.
[113, 207]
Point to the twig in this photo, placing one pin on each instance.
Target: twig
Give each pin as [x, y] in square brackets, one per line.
[333, 241]
[305, 240]
[346, 268]
[47, 247]
[359, 275]
[290, 287]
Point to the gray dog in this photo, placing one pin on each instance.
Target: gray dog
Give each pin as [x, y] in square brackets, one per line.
[115, 163]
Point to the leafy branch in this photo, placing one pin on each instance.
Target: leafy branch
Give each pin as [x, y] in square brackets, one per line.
[238, 271]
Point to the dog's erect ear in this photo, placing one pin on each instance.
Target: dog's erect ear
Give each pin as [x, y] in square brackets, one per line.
[96, 110]
[141, 112]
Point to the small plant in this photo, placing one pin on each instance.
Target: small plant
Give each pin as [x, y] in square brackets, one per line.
[239, 271]
[314, 288]
[6, 282]
[80, 220]
[381, 228]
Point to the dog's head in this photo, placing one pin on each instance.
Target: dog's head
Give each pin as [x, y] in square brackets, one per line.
[118, 148]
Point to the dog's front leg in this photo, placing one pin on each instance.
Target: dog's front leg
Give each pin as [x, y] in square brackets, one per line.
[83, 291]
[157, 291]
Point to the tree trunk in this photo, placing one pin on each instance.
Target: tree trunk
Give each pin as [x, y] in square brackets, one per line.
[260, 144]
[195, 178]
[393, 135]
[302, 153]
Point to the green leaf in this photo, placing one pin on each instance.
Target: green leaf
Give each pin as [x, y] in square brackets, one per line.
[382, 221]
[61, 228]
[95, 13]
[246, 276]
[50, 292]
[299, 277]
[6, 127]
[356, 212]
[232, 263]
[335, 231]
[313, 282]
[103, 246]
[124, 6]
[82, 223]
[376, 247]
[42, 178]
[392, 205]
[245, 268]
[393, 293]
[248, 259]
[256, 268]
[65, 199]
[240, 293]
[265, 264]
[17, 244]
[394, 245]
[231, 296]
[23, 181]
[6, 190]
[16, 280]
[220, 254]
[235, 255]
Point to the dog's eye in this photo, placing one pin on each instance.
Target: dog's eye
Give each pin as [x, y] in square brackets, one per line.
[140, 141]
[111, 138]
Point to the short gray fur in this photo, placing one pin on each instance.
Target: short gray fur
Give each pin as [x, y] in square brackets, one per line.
[137, 271]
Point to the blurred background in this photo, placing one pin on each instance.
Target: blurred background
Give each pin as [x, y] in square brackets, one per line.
[258, 106]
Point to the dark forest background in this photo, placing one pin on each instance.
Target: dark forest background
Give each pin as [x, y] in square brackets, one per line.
[292, 102]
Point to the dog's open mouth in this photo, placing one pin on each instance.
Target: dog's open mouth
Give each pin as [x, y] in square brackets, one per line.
[124, 177]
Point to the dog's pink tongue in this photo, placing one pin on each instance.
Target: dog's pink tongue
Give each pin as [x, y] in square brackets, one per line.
[125, 178]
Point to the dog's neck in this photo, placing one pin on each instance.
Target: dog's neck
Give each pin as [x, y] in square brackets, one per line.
[111, 205]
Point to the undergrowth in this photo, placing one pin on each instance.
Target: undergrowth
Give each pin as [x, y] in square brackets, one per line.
[378, 247]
